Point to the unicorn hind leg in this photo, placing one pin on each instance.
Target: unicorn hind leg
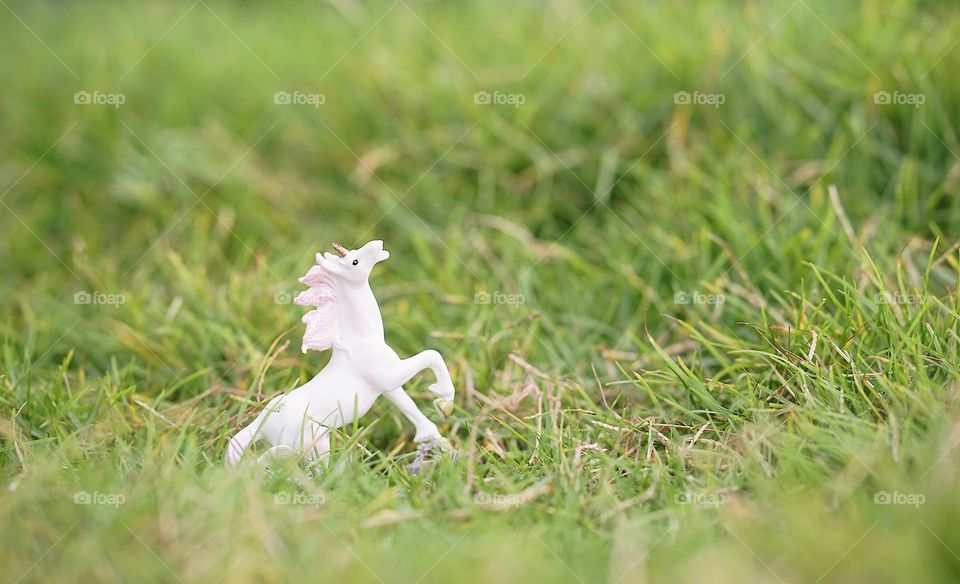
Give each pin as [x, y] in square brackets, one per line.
[240, 442]
[427, 431]
[253, 432]
[274, 452]
[319, 447]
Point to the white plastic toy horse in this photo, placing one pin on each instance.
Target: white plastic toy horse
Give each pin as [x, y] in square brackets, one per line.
[362, 368]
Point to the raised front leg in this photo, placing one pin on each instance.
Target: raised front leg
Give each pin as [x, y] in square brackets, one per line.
[426, 430]
[405, 369]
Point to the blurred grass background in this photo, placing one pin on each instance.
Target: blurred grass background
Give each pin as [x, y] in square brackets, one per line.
[738, 323]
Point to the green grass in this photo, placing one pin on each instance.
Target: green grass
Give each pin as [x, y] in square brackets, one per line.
[608, 429]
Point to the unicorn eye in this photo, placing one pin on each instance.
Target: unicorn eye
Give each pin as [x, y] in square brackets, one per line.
[355, 262]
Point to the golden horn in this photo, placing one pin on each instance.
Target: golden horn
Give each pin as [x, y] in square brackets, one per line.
[341, 251]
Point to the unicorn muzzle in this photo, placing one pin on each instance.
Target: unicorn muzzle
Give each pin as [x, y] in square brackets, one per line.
[377, 246]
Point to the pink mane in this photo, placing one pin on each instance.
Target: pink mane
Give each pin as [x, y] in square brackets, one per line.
[322, 321]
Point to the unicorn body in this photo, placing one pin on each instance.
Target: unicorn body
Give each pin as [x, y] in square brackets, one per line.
[363, 367]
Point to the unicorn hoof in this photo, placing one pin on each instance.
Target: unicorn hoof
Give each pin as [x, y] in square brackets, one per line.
[444, 407]
[427, 454]
[437, 443]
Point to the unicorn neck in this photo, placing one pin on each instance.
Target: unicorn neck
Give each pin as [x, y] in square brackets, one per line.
[358, 315]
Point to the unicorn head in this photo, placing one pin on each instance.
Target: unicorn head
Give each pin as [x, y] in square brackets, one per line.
[334, 275]
[353, 265]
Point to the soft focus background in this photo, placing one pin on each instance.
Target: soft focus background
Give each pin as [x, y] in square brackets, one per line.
[693, 267]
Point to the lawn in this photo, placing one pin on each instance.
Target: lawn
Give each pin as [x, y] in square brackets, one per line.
[693, 268]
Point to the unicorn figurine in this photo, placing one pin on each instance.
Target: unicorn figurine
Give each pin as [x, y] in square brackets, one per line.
[363, 367]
